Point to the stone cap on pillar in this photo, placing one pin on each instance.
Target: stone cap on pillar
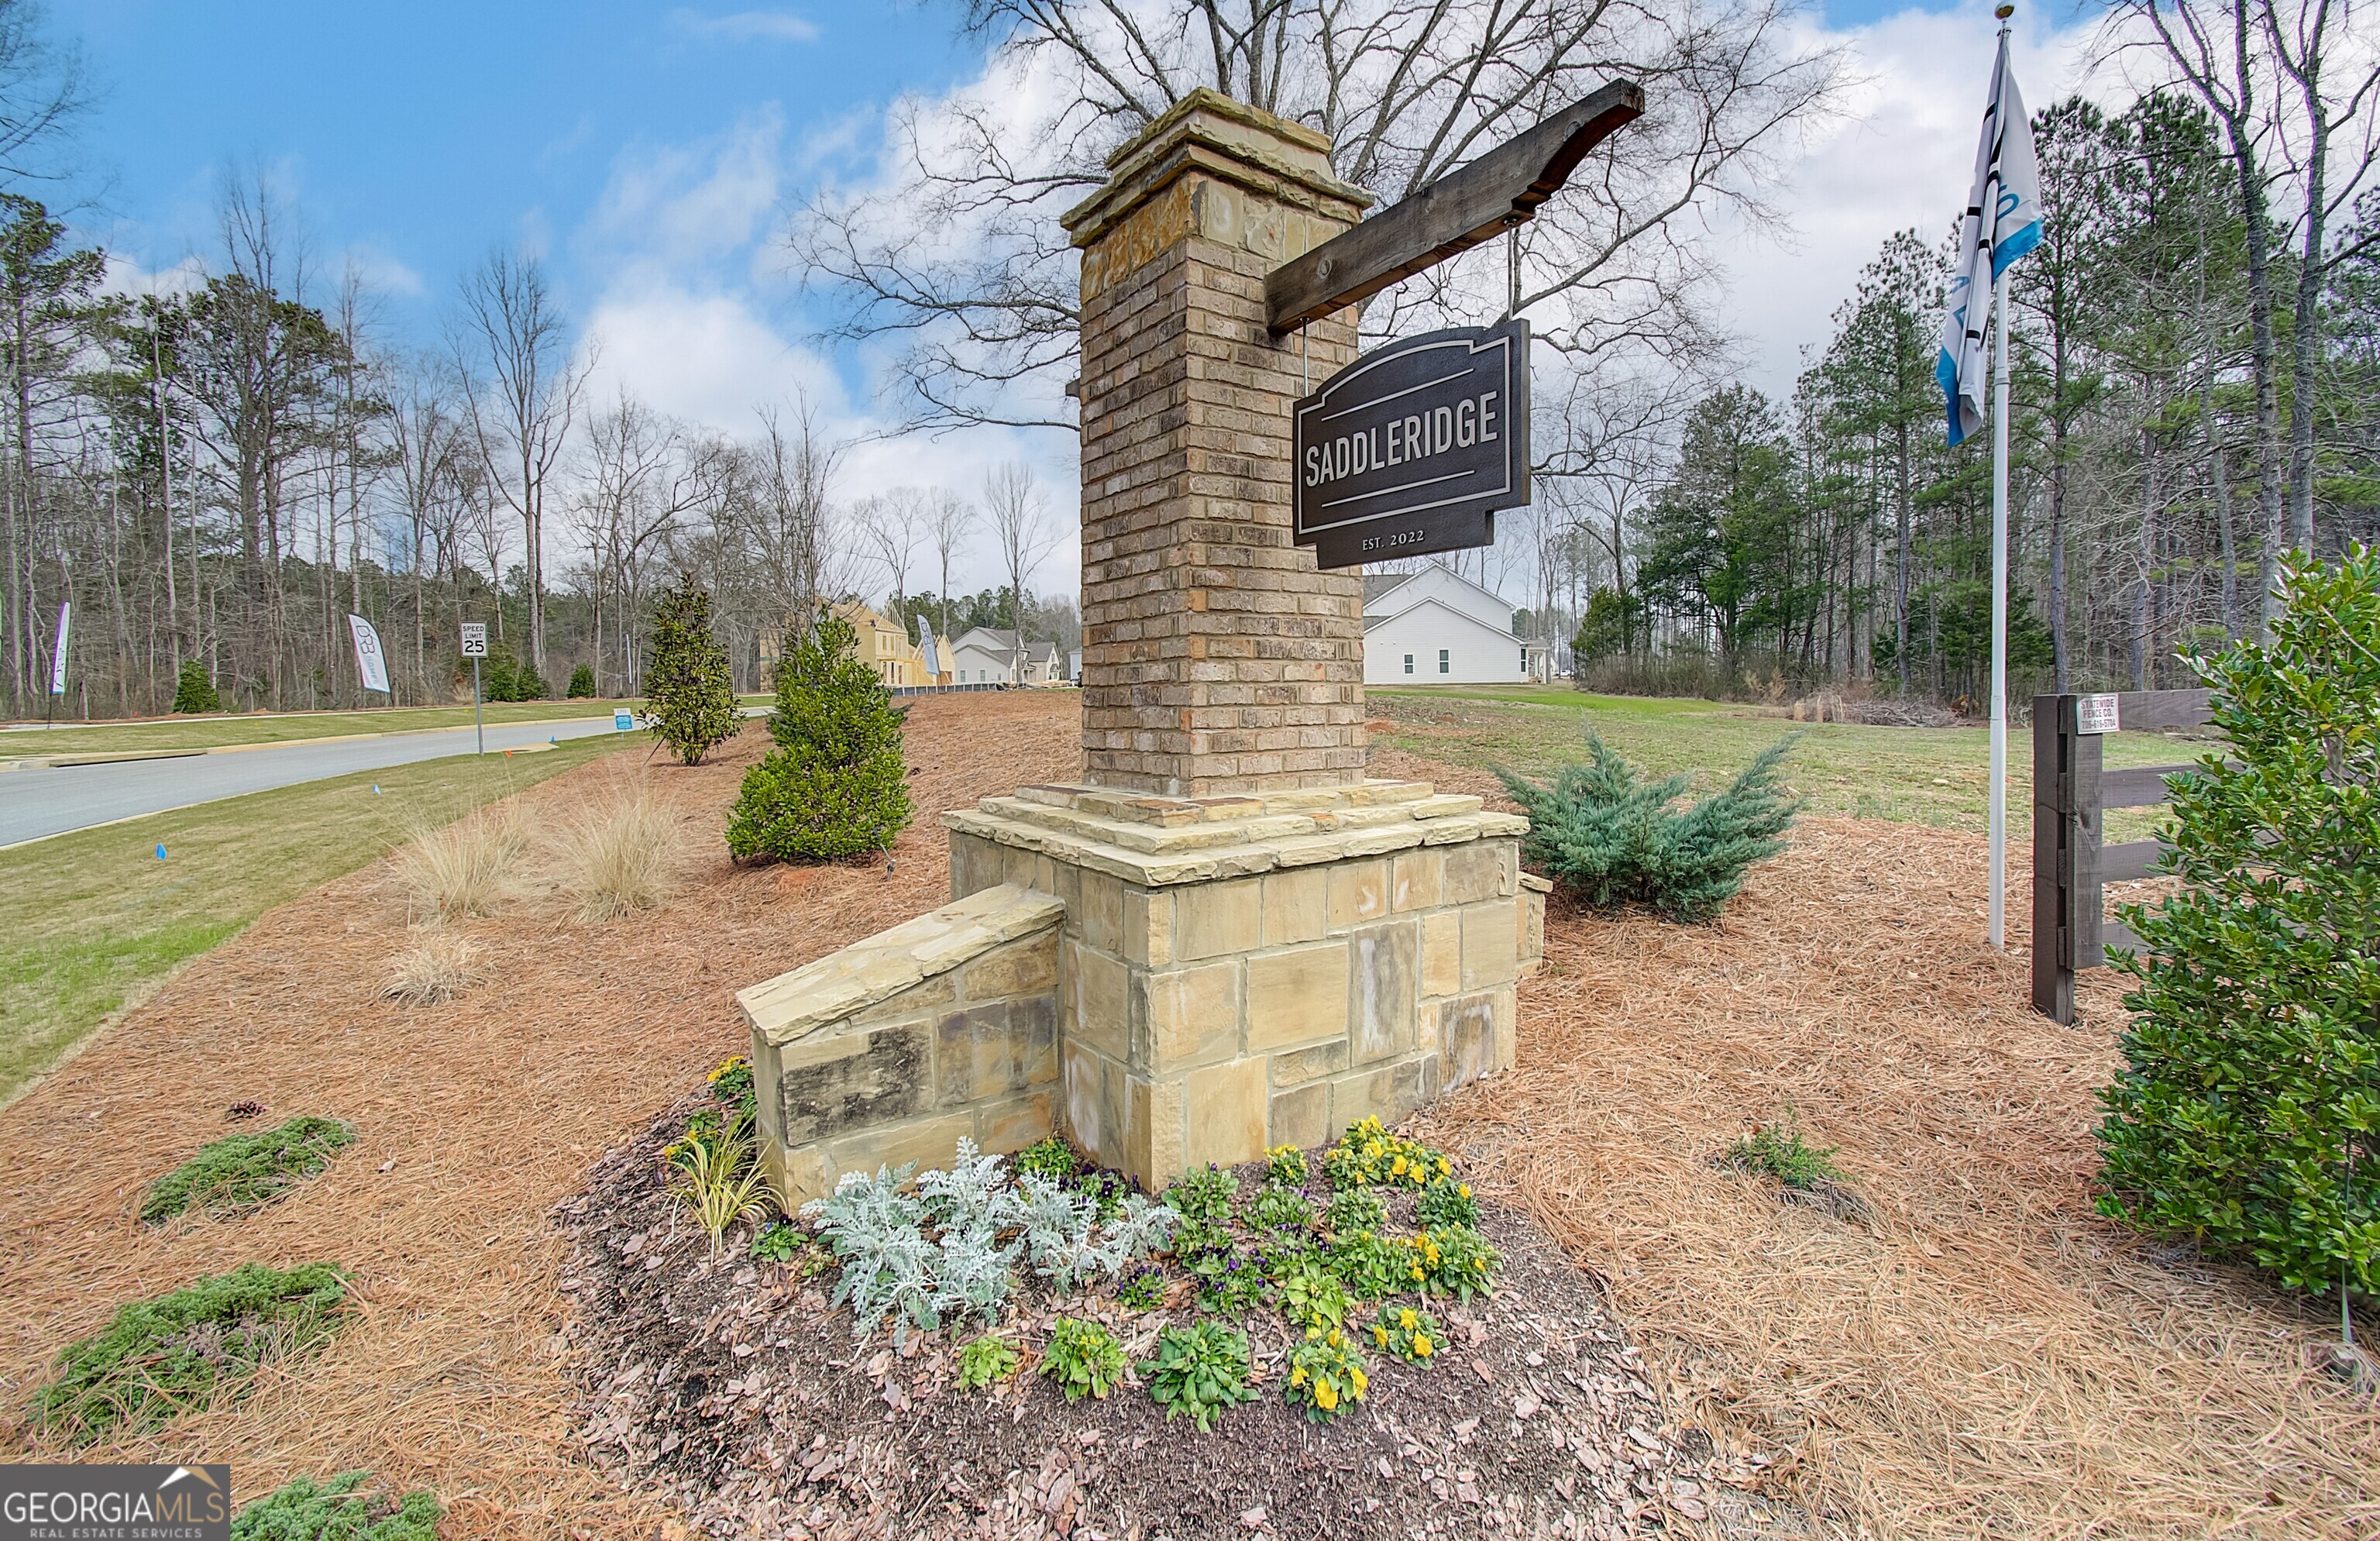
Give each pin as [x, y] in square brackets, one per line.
[1286, 163]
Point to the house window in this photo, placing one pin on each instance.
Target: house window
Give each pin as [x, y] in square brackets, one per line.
[1408, 664]
[1445, 661]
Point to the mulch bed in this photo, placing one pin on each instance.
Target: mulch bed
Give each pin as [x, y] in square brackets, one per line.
[735, 1388]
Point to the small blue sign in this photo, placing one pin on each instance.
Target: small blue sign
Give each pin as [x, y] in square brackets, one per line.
[624, 721]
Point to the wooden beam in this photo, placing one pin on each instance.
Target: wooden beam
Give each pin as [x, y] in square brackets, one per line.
[1464, 207]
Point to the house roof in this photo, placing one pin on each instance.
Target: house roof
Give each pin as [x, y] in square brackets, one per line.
[1436, 581]
[1002, 644]
[1379, 585]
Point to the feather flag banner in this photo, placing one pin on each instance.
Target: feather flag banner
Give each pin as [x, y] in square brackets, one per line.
[2002, 222]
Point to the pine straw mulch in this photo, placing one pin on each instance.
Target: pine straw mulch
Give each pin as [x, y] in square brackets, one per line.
[474, 1120]
[1984, 1354]
[735, 1387]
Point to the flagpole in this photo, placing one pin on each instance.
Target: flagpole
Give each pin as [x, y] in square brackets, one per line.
[1998, 925]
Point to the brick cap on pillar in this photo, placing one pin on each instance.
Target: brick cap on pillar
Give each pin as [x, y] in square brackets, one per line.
[1208, 131]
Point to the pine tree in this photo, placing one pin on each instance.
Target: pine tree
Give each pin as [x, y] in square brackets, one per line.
[194, 691]
[835, 785]
[689, 699]
[582, 683]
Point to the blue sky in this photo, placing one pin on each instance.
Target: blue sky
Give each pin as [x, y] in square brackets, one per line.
[652, 153]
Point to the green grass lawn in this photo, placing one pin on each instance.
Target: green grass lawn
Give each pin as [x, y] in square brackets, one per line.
[216, 730]
[1936, 776]
[91, 922]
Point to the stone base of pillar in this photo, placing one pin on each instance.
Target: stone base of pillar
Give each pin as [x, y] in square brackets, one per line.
[1237, 973]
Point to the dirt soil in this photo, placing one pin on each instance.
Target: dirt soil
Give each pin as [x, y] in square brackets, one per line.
[1978, 1354]
[737, 1388]
[1981, 1353]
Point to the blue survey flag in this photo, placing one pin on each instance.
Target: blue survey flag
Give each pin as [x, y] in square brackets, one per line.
[2002, 222]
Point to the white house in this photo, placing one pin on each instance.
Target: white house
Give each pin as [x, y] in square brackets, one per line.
[988, 656]
[1433, 627]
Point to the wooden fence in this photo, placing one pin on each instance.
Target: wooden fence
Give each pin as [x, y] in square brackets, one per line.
[2072, 794]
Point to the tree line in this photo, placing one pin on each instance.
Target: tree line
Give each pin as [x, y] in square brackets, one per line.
[2196, 392]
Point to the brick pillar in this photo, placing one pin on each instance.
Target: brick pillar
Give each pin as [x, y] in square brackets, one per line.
[1216, 658]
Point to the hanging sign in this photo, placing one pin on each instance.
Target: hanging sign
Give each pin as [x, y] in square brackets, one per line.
[1412, 448]
[2097, 714]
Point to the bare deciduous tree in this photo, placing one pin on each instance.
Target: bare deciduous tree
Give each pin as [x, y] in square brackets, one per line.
[521, 411]
[957, 246]
[1025, 532]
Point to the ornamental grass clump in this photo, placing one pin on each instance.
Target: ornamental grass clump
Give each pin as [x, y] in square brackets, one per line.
[339, 1510]
[836, 784]
[439, 966]
[241, 1172]
[165, 1356]
[716, 1174]
[470, 866]
[618, 854]
[2247, 1116]
[1614, 839]
[1201, 1370]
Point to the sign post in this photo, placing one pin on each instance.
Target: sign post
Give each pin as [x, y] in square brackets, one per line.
[1412, 448]
[475, 647]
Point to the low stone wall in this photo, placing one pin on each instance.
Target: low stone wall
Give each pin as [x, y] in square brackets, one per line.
[892, 1049]
[1242, 972]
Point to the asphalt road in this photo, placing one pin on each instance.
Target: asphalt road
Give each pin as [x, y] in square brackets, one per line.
[53, 800]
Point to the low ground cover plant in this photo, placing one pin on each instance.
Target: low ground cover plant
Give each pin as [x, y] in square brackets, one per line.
[1083, 1357]
[160, 1357]
[985, 1360]
[1200, 1370]
[1612, 838]
[340, 1509]
[2247, 1113]
[959, 1246]
[1776, 1147]
[241, 1172]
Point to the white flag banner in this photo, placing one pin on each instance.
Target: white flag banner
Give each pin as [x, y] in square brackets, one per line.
[926, 647]
[2002, 222]
[58, 657]
[370, 662]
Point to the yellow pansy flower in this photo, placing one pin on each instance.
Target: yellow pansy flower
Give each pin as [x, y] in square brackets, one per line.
[1361, 1381]
[1463, 1188]
[1380, 1336]
[1325, 1396]
[1421, 1345]
[1406, 1320]
[1297, 1375]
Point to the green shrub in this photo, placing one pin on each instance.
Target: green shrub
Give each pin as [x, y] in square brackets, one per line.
[160, 1357]
[1083, 1357]
[530, 685]
[245, 1171]
[193, 691]
[1612, 838]
[496, 672]
[690, 701]
[582, 683]
[2248, 1115]
[336, 1510]
[1778, 1149]
[1201, 1370]
[837, 785]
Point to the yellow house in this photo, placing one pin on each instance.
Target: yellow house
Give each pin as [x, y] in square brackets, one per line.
[884, 647]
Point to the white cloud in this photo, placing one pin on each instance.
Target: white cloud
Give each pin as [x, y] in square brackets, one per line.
[690, 203]
[1898, 158]
[382, 270]
[747, 25]
[124, 275]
